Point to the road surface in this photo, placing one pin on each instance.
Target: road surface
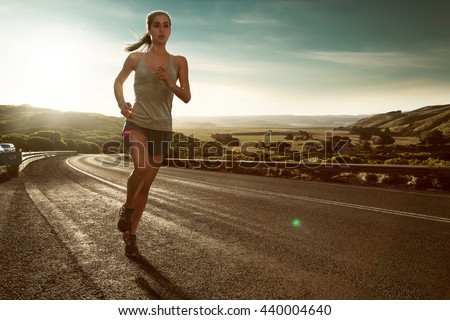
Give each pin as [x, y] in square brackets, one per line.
[212, 235]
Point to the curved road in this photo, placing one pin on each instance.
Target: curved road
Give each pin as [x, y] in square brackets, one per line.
[211, 235]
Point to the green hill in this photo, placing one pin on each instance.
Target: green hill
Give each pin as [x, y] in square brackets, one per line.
[26, 119]
[98, 129]
[77, 126]
[411, 123]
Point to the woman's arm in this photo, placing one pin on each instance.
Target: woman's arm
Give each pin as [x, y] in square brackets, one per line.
[183, 91]
[128, 66]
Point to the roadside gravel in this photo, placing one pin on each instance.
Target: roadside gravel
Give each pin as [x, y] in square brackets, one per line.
[34, 262]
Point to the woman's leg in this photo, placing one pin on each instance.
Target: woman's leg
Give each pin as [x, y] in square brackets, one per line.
[139, 182]
[143, 179]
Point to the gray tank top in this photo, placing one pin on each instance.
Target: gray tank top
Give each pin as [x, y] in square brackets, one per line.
[153, 106]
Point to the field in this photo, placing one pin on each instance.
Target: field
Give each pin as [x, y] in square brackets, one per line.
[278, 134]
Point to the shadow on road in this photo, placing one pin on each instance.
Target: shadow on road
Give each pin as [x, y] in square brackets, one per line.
[169, 291]
[4, 177]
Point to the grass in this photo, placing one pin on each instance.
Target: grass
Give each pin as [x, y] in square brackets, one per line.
[258, 134]
[249, 134]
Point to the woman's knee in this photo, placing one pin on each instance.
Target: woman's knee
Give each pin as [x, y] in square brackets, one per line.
[146, 174]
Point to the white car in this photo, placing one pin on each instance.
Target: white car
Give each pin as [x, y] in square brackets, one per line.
[8, 147]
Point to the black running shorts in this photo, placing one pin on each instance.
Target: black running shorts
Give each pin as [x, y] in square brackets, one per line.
[158, 141]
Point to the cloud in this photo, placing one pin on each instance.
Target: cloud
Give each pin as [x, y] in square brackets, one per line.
[371, 59]
[256, 21]
[7, 8]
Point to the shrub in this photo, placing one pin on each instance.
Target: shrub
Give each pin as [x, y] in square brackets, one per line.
[422, 183]
[369, 177]
[37, 143]
[396, 161]
[394, 179]
[88, 147]
[436, 162]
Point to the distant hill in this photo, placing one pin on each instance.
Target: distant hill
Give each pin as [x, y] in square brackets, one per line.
[411, 123]
[73, 126]
[26, 119]
[266, 121]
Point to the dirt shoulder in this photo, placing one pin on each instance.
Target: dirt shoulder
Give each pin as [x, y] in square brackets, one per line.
[35, 264]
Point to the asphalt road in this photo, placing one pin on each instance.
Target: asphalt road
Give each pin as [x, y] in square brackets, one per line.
[211, 235]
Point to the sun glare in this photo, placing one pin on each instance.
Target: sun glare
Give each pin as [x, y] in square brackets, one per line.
[52, 71]
[64, 68]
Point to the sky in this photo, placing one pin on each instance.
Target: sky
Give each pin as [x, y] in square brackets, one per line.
[302, 57]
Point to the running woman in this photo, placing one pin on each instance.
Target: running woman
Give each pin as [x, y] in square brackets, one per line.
[147, 132]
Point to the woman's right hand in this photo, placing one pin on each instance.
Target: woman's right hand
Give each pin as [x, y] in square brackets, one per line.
[126, 110]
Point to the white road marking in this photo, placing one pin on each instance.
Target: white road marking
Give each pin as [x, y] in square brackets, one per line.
[296, 197]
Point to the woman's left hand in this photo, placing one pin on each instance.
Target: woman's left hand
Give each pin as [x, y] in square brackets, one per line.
[162, 74]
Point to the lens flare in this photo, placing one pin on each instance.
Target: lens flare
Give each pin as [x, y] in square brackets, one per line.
[296, 223]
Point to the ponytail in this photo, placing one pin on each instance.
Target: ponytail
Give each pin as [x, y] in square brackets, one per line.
[144, 40]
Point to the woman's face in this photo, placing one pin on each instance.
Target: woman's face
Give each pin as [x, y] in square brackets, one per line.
[159, 29]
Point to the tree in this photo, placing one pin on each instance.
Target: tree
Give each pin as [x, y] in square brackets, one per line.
[280, 147]
[365, 146]
[365, 136]
[60, 145]
[289, 136]
[383, 140]
[226, 139]
[304, 135]
[49, 134]
[88, 147]
[72, 144]
[212, 148]
[347, 140]
[54, 136]
[36, 143]
[435, 137]
[17, 139]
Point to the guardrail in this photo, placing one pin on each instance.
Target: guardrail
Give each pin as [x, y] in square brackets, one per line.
[14, 162]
